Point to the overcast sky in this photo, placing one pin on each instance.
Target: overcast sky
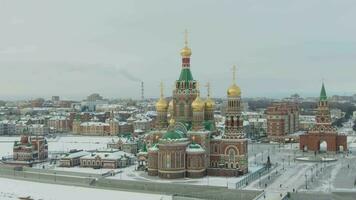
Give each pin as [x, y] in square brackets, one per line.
[73, 48]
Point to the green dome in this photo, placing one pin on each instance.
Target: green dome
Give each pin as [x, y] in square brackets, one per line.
[172, 135]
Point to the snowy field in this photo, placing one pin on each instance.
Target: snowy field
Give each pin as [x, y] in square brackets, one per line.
[13, 189]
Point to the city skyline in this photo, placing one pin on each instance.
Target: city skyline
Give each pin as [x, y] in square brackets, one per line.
[110, 48]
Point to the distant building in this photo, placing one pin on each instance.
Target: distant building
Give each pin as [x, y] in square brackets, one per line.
[94, 128]
[282, 119]
[55, 98]
[37, 102]
[60, 124]
[306, 122]
[128, 145]
[30, 148]
[323, 135]
[38, 129]
[110, 160]
[257, 128]
[72, 159]
[7, 127]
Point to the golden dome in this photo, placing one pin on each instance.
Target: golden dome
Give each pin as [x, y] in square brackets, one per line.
[186, 52]
[209, 104]
[161, 105]
[234, 91]
[198, 104]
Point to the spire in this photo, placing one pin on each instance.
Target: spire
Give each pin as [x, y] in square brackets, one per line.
[323, 96]
[186, 51]
[161, 87]
[186, 38]
[197, 88]
[208, 87]
[234, 74]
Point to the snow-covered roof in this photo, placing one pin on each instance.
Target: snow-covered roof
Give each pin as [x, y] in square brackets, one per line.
[107, 155]
[194, 148]
[76, 154]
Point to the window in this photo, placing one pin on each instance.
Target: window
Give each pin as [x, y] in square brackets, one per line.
[168, 161]
[231, 155]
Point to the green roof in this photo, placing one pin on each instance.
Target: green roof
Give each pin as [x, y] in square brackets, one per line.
[186, 75]
[208, 125]
[172, 134]
[144, 148]
[323, 96]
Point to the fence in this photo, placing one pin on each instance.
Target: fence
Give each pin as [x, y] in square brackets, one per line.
[253, 176]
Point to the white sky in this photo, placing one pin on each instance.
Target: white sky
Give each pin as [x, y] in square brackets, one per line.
[74, 48]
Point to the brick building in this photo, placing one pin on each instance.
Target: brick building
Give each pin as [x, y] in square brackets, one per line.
[282, 119]
[30, 149]
[323, 137]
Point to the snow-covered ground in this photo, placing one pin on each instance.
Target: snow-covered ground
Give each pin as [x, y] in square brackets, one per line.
[13, 189]
[130, 173]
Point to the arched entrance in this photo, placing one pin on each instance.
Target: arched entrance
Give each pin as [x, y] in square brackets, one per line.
[323, 146]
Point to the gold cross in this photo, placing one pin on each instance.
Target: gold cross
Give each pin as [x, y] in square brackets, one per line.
[208, 86]
[186, 37]
[197, 88]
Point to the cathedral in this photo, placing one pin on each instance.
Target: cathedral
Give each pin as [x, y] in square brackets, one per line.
[186, 142]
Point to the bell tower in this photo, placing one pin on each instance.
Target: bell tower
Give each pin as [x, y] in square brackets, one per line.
[185, 91]
[233, 119]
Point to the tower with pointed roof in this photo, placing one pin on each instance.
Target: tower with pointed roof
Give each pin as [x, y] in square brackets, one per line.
[233, 119]
[323, 131]
[185, 90]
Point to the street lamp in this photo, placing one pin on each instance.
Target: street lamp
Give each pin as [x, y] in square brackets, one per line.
[306, 181]
[283, 162]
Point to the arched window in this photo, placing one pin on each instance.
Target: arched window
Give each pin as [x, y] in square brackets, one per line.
[231, 155]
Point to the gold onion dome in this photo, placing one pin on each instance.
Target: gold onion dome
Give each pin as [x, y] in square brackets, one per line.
[162, 104]
[186, 52]
[198, 104]
[234, 91]
[209, 104]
